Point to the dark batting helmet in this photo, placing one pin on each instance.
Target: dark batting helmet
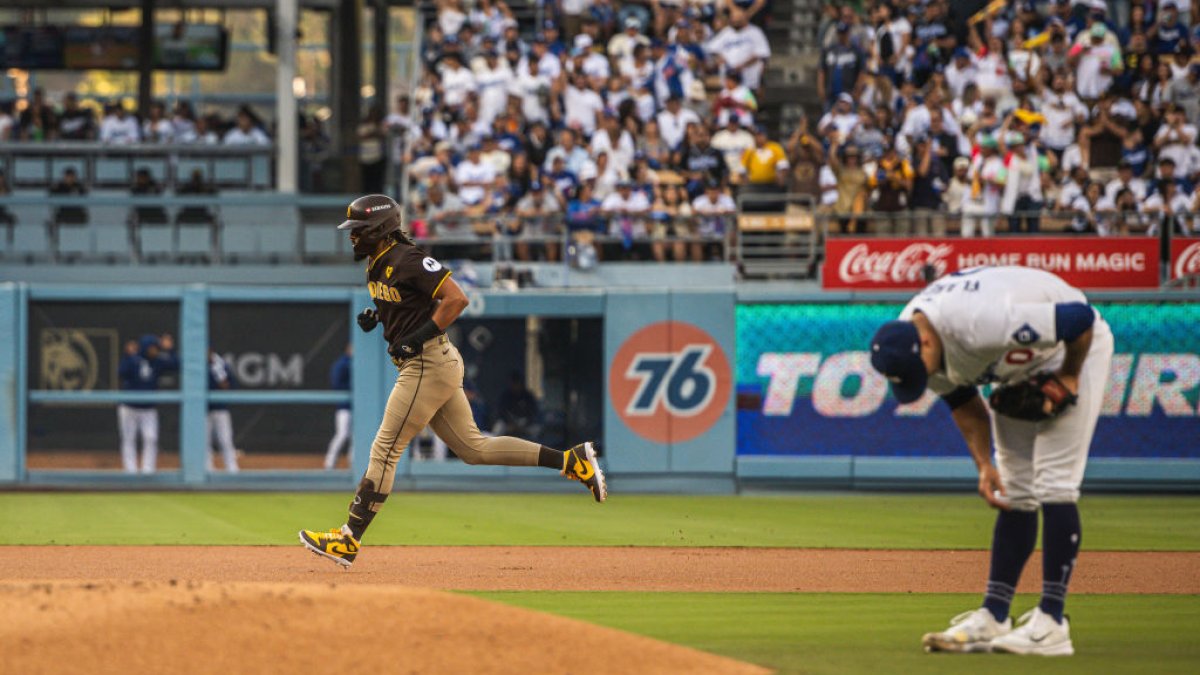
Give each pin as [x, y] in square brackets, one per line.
[372, 218]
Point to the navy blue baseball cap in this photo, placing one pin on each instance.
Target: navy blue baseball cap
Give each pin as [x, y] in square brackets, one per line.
[896, 354]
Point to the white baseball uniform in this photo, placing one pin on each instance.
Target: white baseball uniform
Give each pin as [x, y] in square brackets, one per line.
[219, 421]
[997, 325]
[341, 436]
[130, 422]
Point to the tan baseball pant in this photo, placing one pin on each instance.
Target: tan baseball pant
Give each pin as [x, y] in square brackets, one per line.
[429, 392]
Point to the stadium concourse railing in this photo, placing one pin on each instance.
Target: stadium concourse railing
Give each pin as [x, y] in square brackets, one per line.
[99, 165]
[274, 227]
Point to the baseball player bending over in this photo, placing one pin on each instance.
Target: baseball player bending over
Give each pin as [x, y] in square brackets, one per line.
[1049, 351]
[416, 300]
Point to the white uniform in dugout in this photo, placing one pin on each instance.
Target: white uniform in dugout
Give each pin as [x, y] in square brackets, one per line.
[997, 325]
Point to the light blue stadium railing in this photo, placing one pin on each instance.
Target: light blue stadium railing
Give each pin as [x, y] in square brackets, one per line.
[371, 378]
[193, 395]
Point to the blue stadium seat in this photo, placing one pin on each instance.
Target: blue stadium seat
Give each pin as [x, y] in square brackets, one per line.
[321, 237]
[256, 233]
[29, 234]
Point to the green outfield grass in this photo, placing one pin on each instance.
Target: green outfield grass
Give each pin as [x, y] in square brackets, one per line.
[856, 520]
[870, 633]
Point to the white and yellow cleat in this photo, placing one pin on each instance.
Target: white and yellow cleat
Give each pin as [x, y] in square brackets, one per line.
[969, 632]
[1038, 634]
[338, 545]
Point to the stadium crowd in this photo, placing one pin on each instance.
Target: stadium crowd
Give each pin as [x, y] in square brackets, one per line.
[1017, 111]
[39, 120]
[634, 122]
[621, 121]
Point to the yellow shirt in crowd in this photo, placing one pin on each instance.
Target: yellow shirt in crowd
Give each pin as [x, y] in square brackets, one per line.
[762, 164]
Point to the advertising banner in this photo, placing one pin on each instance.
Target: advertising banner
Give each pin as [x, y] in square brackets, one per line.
[806, 386]
[1185, 257]
[894, 264]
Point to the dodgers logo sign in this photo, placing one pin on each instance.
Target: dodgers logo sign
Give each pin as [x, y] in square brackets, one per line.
[670, 382]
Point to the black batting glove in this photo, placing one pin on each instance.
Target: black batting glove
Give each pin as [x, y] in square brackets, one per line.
[411, 345]
[368, 319]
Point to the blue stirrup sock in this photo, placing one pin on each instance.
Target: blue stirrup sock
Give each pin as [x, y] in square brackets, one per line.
[1061, 535]
[1012, 544]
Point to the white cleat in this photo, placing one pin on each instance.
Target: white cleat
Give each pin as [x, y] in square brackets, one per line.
[969, 632]
[1038, 634]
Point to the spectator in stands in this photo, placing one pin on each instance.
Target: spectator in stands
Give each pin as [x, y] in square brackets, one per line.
[157, 128]
[1091, 211]
[982, 201]
[1127, 218]
[1125, 180]
[119, 127]
[654, 148]
[931, 176]
[852, 187]
[474, 177]
[539, 214]
[582, 104]
[892, 181]
[701, 163]
[615, 141]
[1185, 94]
[1022, 197]
[674, 120]
[450, 16]
[670, 217]
[206, 131]
[806, 156]
[444, 213]
[713, 210]
[733, 140]
[575, 158]
[76, 123]
[246, 131]
[69, 185]
[765, 167]
[144, 183]
[372, 157]
[183, 123]
[741, 47]
[37, 121]
[626, 210]
[1168, 205]
[621, 46]
[841, 64]
[7, 122]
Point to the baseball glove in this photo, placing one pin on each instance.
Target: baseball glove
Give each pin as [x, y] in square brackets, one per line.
[1027, 400]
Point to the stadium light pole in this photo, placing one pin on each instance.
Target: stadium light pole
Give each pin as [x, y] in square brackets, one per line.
[286, 139]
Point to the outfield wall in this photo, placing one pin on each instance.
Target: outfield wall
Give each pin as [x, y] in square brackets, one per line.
[698, 390]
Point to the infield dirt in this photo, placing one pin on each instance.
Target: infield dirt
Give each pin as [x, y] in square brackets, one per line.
[233, 609]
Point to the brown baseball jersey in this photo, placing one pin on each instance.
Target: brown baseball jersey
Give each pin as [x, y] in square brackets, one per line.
[402, 281]
[429, 386]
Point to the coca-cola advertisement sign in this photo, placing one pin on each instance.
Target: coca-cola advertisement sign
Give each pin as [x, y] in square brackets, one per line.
[1185, 257]
[1084, 262]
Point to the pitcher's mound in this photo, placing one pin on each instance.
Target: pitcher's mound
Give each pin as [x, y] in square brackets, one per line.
[206, 627]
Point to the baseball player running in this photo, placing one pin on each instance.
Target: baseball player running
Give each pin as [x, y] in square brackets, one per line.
[1049, 352]
[416, 300]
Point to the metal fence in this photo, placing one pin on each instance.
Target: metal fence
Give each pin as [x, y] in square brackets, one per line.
[98, 166]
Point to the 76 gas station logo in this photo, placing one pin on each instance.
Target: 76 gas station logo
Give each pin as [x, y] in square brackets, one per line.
[670, 381]
[682, 381]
